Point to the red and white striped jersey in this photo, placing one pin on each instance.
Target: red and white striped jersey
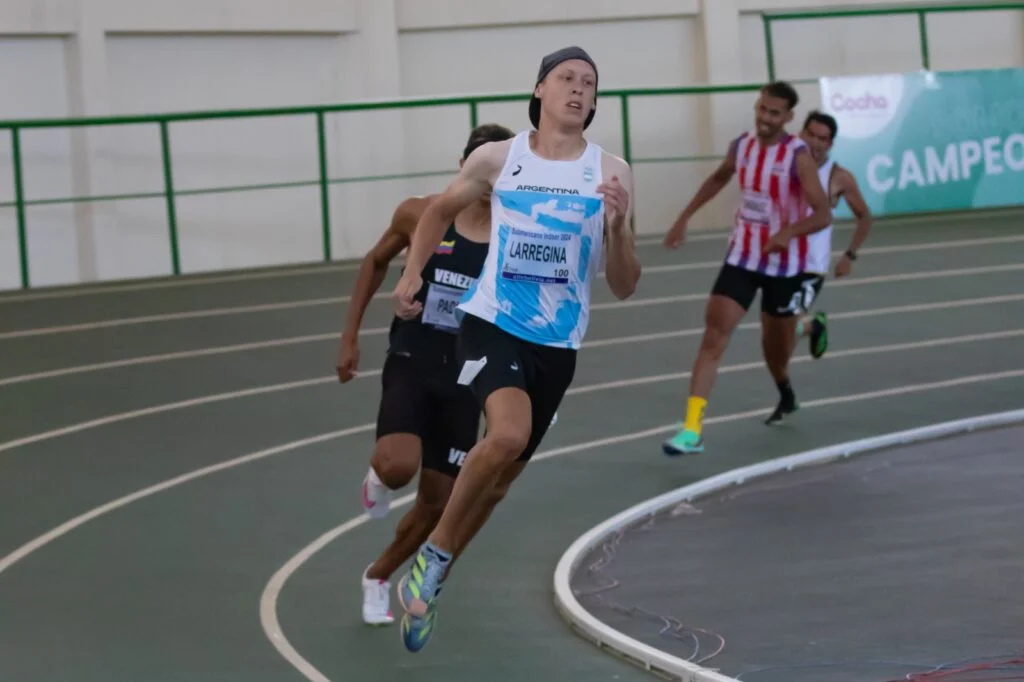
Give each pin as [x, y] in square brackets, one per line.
[771, 198]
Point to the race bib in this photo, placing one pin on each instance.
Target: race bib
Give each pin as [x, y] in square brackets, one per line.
[439, 309]
[756, 209]
[545, 257]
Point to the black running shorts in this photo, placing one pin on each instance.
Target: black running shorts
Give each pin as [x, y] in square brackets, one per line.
[780, 296]
[543, 372]
[446, 418]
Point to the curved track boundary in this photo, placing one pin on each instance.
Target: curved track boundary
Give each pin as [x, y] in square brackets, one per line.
[661, 662]
[274, 631]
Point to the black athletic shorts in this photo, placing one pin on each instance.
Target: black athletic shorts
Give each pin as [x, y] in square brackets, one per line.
[780, 296]
[543, 372]
[445, 417]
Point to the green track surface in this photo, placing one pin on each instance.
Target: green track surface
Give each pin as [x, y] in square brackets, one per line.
[169, 587]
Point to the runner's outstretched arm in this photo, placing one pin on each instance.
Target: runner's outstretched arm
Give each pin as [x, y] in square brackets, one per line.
[709, 189]
[372, 272]
[859, 207]
[474, 180]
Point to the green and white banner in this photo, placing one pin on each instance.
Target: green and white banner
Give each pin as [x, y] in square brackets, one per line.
[919, 142]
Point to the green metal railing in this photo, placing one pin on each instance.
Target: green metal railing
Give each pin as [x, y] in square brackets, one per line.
[922, 12]
[324, 181]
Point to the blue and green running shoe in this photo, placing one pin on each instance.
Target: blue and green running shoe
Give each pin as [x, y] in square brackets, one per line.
[416, 631]
[417, 593]
[685, 442]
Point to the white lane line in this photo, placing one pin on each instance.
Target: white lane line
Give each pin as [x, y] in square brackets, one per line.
[158, 409]
[182, 355]
[172, 317]
[832, 284]
[882, 222]
[851, 314]
[852, 352]
[311, 270]
[271, 593]
[873, 250]
[383, 295]
[65, 528]
[363, 428]
[333, 336]
[306, 383]
[704, 234]
[78, 291]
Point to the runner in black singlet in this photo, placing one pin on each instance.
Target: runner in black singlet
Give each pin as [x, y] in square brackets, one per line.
[424, 415]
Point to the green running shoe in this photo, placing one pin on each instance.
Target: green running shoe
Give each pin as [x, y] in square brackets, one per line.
[819, 335]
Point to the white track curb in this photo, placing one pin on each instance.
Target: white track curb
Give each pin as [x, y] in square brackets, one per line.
[665, 664]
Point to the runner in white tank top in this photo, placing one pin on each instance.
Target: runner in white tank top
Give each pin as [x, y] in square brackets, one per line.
[548, 225]
[819, 244]
[782, 205]
[819, 133]
[558, 204]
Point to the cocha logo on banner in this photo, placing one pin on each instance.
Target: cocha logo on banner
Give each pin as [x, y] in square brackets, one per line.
[865, 104]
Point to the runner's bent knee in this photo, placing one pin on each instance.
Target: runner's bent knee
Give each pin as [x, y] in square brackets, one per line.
[396, 459]
[507, 440]
[509, 423]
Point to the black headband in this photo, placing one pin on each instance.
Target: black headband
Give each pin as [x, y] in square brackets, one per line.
[547, 65]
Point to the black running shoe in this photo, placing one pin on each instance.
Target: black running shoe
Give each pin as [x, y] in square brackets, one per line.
[784, 408]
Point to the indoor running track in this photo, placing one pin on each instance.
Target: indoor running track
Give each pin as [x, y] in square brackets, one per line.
[180, 470]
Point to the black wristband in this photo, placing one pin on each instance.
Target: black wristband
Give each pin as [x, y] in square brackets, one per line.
[850, 254]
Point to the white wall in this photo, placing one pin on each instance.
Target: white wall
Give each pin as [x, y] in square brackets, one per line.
[61, 58]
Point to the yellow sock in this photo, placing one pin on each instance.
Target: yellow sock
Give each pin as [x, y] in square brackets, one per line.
[695, 414]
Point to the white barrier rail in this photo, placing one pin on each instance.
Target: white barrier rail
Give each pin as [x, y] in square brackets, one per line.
[663, 663]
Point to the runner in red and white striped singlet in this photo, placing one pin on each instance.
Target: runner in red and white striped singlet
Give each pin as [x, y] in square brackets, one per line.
[770, 199]
[781, 203]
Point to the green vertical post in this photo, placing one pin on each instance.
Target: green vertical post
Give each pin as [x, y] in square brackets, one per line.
[474, 115]
[325, 187]
[627, 146]
[627, 142]
[769, 46]
[172, 218]
[922, 29]
[19, 204]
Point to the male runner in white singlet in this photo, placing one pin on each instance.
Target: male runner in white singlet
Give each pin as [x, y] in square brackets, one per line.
[782, 204]
[558, 203]
[819, 132]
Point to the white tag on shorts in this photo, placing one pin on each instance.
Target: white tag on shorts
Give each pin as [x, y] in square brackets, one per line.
[470, 370]
[756, 209]
[543, 257]
[440, 306]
